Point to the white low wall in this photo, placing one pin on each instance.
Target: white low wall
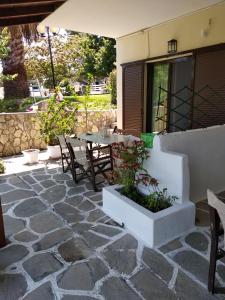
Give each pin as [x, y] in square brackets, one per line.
[200, 152]
[171, 170]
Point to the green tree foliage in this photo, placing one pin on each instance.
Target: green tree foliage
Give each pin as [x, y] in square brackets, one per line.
[65, 58]
[4, 43]
[98, 55]
[58, 119]
[74, 56]
[112, 87]
[4, 51]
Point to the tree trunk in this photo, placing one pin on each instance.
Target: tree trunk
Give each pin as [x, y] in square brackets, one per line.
[14, 64]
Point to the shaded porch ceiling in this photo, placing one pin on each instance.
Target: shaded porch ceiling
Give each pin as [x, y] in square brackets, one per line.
[117, 18]
[21, 12]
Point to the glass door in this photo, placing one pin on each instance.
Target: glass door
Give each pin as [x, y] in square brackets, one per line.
[159, 97]
[169, 95]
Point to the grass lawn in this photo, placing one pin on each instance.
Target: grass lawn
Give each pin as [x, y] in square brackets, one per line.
[95, 102]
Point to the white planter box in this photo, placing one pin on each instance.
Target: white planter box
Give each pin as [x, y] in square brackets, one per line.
[54, 151]
[31, 156]
[154, 229]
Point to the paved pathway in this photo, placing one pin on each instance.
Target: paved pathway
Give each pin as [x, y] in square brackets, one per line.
[62, 246]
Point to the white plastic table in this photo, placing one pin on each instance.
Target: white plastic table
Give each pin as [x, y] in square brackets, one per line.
[96, 138]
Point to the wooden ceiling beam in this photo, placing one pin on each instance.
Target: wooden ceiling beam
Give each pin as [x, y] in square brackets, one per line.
[21, 20]
[22, 3]
[27, 11]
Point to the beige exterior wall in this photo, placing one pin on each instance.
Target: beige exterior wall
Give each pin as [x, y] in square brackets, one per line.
[153, 42]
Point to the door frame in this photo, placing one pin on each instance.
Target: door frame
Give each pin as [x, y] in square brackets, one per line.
[150, 77]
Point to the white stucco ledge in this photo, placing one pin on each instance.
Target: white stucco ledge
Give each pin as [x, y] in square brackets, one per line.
[154, 229]
[171, 169]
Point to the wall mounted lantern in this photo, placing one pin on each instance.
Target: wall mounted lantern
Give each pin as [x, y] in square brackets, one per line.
[172, 46]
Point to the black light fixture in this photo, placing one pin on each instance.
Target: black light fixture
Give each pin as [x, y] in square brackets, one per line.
[172, 46]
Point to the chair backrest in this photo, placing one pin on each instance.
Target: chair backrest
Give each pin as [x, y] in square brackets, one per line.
[217, 204]
[62, 141]
[79, 148]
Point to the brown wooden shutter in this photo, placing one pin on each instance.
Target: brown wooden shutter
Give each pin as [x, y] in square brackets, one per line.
[209, 70]
[133, 91]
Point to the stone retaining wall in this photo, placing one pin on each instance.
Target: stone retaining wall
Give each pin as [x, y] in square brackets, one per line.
[20, 131]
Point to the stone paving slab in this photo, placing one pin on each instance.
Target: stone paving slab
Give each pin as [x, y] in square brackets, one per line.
[52, 239]
[18, 182]
[13, 225]
[62, 246]
[29, 208]
[41, 265]
[68, 213]
[11, 254]
[151, 287]
[12, 286]
[44, 292]
[158, 264]
[187, 289]
[116, 288]
[74, 250]
[89, 273]
[45, 222]
[193, 263]
[16, 195]
[26, 236]
[198, 241]
[54, 194]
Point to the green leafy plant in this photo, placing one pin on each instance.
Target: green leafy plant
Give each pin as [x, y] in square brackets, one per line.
[129, 172]
[9, 105]
[130, 157]
[2, 167]
[112, 87]
[59, 118]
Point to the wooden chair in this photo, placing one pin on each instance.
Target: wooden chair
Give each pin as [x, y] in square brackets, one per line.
[65, 155]
[217, 216]
[89, 162]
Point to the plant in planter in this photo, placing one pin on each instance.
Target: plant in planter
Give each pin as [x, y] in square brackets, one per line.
[58, 119]
[129, 173]
[155, 217]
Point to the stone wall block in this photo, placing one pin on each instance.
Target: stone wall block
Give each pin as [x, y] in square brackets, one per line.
[19, 131]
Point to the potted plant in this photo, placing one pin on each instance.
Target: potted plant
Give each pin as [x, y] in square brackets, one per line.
[59, 118]
[151, 216]
[31, 156]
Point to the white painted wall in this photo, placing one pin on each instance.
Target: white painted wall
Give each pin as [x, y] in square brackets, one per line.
[202, 153]
[170, 169]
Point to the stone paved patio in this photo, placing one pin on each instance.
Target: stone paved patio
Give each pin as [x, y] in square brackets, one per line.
[62, 246]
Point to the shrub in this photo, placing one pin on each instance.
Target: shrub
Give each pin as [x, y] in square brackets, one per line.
[2, 167]
[112, 87]
[9, 105]
[58, 119]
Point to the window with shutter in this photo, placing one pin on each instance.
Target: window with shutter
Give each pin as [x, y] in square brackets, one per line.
[133, 93]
